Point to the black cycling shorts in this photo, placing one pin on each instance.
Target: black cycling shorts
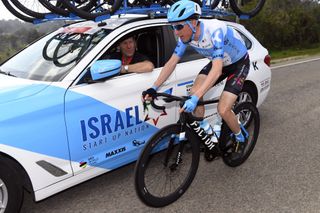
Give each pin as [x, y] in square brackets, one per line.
[235, 73]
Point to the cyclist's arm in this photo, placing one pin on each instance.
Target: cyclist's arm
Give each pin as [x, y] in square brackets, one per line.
[167, 70]
[212, 77]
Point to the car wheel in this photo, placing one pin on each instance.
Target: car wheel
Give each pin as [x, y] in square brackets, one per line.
[248, 94]
[11, 190]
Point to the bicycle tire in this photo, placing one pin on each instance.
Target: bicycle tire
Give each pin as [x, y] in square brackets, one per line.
[249, 115]
[95, 10]
[214, 4]
[45, 53]
[17, 13]
[57, 8]
[251, 12]
[67, 43]
[147, 163]
[31, 12]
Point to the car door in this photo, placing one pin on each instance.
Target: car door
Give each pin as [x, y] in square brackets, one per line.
[107, 122]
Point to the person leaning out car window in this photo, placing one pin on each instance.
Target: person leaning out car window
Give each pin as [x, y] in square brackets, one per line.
[132, 60]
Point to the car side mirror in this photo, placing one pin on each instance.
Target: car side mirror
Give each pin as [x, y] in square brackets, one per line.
[103, 69]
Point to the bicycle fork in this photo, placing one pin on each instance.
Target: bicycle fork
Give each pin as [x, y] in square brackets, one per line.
[178, 157]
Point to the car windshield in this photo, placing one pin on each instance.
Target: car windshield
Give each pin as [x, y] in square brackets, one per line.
[53, 56]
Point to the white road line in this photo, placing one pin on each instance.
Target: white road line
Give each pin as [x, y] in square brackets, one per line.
[295, 63]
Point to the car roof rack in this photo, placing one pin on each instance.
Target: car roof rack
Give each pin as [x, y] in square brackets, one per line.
[152, 11]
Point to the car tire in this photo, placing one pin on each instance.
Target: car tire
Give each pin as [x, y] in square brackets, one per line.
[11, 189]
[248, 94]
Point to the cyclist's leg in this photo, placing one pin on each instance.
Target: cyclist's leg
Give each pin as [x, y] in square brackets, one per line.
[227, 100]
[233, 87]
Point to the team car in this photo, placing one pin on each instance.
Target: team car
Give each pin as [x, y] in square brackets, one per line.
[67, 115]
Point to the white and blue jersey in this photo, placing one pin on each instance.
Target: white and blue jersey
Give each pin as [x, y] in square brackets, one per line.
[216, 41]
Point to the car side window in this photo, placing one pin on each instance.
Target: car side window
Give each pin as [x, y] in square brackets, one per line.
[147, 43]
[247, 42]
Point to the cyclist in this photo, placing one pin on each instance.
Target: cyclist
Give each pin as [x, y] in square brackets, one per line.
[228, 56]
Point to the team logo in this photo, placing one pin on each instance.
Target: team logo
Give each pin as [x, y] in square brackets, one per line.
[138, 143]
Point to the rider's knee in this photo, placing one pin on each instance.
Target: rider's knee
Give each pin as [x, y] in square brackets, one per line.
[223, 111]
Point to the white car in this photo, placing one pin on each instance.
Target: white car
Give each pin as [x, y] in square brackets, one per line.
[68, 116]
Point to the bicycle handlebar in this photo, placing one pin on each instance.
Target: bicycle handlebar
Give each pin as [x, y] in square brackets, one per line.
[170, 98]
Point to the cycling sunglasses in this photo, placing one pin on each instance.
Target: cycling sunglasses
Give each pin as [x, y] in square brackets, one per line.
[178, 27]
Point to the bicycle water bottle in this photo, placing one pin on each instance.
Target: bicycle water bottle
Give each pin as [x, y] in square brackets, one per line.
[217, 128]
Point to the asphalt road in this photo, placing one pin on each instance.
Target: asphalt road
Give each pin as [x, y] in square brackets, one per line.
[281, 175]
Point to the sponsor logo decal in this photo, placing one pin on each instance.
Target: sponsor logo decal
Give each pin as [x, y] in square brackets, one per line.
[99, 130]
[138, 143]
[265, 84]
[115, 152]
[83, 164]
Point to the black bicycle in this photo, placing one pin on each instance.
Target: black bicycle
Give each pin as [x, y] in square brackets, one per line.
[170, 159]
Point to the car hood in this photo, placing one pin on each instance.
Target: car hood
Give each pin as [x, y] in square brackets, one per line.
[12, 88]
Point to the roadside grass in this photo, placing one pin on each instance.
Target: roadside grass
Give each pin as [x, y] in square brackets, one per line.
[295, 52]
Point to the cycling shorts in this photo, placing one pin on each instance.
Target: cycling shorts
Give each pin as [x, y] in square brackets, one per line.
[235, 73]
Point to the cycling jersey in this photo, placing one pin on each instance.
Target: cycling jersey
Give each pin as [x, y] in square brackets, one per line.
[216, 41]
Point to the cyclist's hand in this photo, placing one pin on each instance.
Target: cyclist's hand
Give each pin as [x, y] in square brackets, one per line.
[149, 94]
[190, 104]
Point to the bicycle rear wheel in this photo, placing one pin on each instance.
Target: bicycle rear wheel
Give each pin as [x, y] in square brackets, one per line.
[248, 8]
[106, 7]
[166, 166]
[249, 117]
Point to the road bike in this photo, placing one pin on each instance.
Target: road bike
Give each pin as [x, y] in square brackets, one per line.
[169, 161]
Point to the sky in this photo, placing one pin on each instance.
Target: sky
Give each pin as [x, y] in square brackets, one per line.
[4, 13]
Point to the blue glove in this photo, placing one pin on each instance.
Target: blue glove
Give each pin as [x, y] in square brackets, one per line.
[191, 104]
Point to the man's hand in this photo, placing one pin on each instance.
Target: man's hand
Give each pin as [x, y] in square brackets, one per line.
[149, 94]
[190, 104]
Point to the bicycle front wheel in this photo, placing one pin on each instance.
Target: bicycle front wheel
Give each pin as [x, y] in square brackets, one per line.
[249, 117]
[248, 8]
[166, 166]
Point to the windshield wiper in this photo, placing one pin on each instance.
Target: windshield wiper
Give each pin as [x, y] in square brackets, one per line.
[7, 73]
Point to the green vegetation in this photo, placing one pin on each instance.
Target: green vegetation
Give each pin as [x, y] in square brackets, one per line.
[294, 52]
[16, 35]
[284, 24]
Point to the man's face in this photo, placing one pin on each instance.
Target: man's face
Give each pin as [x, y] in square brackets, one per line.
[128, 47]
[183, 30]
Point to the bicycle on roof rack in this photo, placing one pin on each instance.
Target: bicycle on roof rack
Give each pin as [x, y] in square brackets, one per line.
[99, 10]
[169, 161]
